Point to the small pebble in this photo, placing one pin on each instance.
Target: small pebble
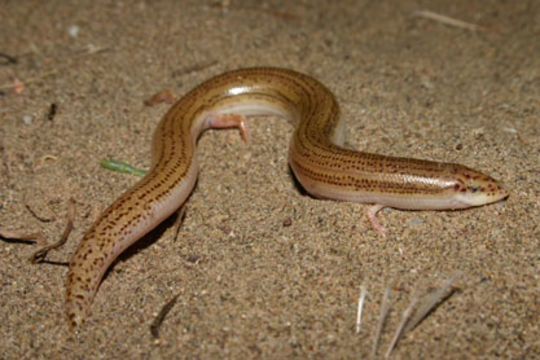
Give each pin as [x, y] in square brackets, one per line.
[73, 31]
[27, 119]
[287, 222]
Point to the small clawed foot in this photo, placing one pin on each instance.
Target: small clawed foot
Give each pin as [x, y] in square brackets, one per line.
[372, 217]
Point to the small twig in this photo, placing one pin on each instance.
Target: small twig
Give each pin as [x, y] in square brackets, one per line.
[9, 59]
[24, 238]
[45, 158]
[399, 330]
[363, 292]
[448, 20]
[54, 262]
[156, 324]
[52, 111]
[37, 216]
[385, 309]
[90, 50]
[179, 220]
[39, 256]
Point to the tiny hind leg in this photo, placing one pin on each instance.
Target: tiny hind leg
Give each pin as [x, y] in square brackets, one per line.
[222, 121]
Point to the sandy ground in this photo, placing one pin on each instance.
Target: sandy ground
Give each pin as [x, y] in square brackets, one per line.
[261, 269]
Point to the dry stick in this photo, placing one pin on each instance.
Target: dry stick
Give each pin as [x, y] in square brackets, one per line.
[18, 236]
[385, 308]
[39, 256]
[431, 302]
[9, 59]
[45, 158]
[179, 220]
[53, 108]
[154, 327]
[399, 330]
[448, 20]
[38, 216]
[363, 292]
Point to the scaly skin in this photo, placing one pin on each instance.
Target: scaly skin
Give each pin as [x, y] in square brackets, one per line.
[316, 156]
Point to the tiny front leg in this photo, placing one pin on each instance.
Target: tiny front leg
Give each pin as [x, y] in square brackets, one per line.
[372, 217]
[221, 121]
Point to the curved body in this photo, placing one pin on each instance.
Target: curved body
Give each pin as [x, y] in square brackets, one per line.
[320, 163]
